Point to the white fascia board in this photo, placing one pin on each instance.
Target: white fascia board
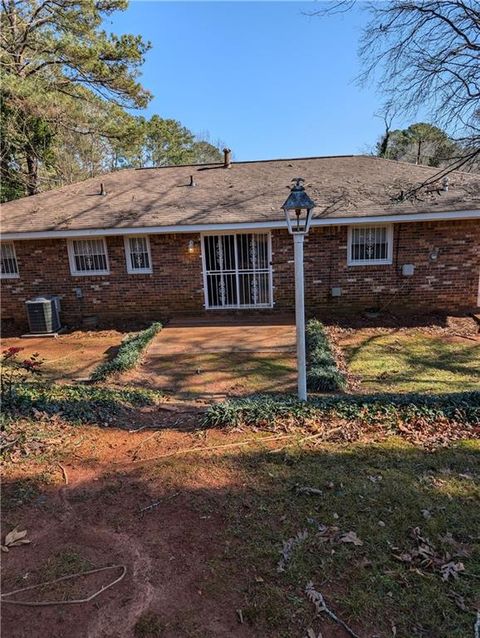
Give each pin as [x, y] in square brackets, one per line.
[201, 228]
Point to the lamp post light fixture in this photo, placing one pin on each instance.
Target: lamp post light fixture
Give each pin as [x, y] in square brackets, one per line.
[298, 212]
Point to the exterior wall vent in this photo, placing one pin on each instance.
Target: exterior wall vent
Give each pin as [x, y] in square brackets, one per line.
[43, 315]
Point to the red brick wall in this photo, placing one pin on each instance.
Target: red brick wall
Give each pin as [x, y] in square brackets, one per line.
[449, 283]
[176, 285]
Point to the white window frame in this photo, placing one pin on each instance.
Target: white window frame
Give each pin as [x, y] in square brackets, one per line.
[137, 271]
[11, 275]
[86, 273]
[371, 262]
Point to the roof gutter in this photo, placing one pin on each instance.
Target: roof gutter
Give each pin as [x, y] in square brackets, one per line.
[268, 225]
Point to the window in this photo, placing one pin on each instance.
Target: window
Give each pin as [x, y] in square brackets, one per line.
[137, 252]
[88, 257]
[369, 245]
[9, 261]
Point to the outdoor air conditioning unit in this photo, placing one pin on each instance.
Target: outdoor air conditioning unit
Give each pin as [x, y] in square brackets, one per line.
[44, 314]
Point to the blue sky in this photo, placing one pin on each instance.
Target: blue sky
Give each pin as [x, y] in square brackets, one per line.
[263, 77]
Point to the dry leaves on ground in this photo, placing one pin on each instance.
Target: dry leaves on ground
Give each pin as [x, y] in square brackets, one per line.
[424, 555]
[15, 538]
[350, 537]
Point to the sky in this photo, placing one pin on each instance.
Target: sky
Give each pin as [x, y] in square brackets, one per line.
[266, 79]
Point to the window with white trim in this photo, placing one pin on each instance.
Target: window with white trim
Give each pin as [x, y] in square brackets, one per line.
[88, 256]
[370, 245]
[137, 253]
[9, 265]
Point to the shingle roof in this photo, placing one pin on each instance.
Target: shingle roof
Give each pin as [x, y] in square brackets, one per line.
[346, 186]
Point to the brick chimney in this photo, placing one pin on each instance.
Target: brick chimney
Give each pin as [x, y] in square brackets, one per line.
[227, 158]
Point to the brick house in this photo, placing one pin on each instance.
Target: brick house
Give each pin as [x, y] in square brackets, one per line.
[149, 243]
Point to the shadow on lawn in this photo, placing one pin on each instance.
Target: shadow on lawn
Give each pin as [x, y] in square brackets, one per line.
[416, 360]
[228, 531]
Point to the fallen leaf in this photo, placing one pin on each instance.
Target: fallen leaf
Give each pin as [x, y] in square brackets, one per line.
[351, 537]
[451, 569]
[15, 538]
[14, 535]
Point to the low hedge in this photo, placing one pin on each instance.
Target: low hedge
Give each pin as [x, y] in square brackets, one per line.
[128, 353]
[383, 409]
[323, 374]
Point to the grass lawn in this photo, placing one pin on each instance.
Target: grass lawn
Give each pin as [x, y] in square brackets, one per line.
[381, 492]
[412, 361]
[221, 531]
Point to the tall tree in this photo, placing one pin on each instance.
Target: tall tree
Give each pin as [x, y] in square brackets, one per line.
[425, 54]
[61, 70]
[167, 142]
[420, 143]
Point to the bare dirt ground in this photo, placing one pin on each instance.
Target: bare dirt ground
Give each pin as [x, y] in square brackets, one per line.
[70, 356]
[170, 585]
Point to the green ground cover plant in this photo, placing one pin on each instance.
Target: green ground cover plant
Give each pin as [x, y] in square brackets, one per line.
[387, 410]
[128, 354]
[77, 403]
[323, 374]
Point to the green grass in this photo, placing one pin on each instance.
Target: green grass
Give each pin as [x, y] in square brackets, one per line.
[128, 354]
[414, 363]
[381, 492]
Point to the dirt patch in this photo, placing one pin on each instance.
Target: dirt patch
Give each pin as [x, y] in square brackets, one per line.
[169, 551]
[70, 356]
[196, 359]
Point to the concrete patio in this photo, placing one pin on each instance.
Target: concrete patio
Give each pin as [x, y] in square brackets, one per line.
[216, 356]
[217, 334]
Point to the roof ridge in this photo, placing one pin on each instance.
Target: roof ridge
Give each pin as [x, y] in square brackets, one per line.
[275, 159]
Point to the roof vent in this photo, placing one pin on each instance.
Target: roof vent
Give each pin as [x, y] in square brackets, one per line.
[192, 181]
[227, 158]
[102, 189]
[445, 183]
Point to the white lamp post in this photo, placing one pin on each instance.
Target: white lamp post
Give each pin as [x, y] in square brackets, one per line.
[298, 212]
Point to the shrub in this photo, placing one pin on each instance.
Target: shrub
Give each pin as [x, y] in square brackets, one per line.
[323, 374]
[128, 353]
[14, 373]
[385, 410]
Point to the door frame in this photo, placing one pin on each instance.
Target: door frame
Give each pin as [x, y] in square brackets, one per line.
[243, 231]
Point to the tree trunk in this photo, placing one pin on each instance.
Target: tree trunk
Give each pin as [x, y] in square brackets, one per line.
[32, 174]
[419, 148]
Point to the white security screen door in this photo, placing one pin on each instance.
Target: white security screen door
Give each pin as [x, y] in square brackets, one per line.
[237, 270]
